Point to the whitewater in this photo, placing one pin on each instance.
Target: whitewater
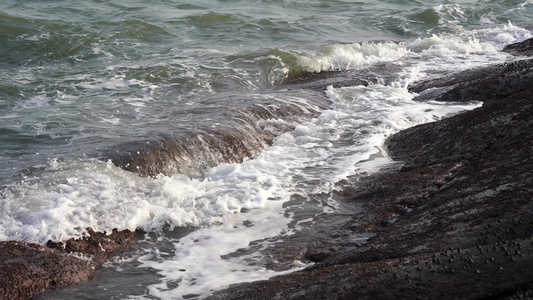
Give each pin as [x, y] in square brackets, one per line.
[197, 124]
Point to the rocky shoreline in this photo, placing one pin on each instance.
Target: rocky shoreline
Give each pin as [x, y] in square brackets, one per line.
[455, 221]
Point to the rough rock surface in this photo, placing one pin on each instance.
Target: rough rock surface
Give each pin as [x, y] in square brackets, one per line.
[456, 221]
[26, 270]
[523, 48]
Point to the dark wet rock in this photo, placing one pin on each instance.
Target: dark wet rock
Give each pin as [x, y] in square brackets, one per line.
[382, 73]
[456, 221]
[482, 84]
[523, 48]
[100, 246]
[493, 130]
[27, 270]
[320, 81]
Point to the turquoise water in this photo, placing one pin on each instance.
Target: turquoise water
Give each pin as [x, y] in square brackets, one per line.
[84, 82]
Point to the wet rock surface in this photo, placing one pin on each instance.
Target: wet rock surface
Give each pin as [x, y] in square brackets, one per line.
[455, 221]
[27, 270]
[523, 48]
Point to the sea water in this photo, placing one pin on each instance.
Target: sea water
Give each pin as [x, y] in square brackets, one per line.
[79, 79]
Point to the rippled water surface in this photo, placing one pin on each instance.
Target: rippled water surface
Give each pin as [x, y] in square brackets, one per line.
[213, 124]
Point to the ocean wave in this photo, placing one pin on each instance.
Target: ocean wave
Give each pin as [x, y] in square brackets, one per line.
[245, 133]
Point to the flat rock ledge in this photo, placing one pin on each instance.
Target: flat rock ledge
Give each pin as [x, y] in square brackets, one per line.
[27, 270]
[454, 222]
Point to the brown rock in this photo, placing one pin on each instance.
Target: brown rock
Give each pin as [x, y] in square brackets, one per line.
[27, 270]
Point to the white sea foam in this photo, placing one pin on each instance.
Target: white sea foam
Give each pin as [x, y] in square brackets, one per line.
[70, 196]
[345, 57]
[208, 259]
[450, 14]
[442, 48]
